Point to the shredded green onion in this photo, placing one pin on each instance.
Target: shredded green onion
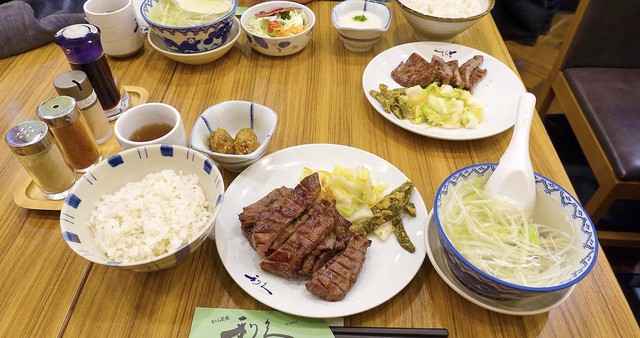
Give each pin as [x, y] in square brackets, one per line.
[498, 239]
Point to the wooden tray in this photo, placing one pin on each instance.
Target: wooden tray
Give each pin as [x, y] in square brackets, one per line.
[29, 196]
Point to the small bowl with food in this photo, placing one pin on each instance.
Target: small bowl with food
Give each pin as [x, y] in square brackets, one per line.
[498, 251]
[188, 27]
[143, 209]
[197, 58]
[360, 23]
[435, 20]
[278, 28]
[234, 134]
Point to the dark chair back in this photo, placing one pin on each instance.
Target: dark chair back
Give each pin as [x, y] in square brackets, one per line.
[608, 36]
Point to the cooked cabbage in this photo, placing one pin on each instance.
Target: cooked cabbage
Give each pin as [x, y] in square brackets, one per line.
[445, 106]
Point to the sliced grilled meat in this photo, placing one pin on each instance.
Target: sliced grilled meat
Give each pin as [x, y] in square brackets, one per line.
[282, 212]
[415, 71]
[333, 281]
[456, 80]
[477, 75]
[467, 68]
[251, 213]
[444, 73]
[286, 260]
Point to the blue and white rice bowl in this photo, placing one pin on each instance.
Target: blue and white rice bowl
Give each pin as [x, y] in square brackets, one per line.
[554, 207]
[233, 116]
[278, 46]
[193, 39]
[133, 165]
[360, 39]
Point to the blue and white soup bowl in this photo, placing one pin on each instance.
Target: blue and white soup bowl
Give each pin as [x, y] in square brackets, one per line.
[554, 207]
[133, 165]
[191, 39]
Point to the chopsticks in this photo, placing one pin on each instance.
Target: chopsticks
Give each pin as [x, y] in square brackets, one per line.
[386, 332]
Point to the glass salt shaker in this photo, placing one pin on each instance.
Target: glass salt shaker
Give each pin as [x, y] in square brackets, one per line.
[31, 142]
[82, 47]
[75, 83]
[71, 131]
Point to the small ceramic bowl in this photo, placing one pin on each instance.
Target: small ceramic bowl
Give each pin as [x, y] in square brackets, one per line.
[233, 116]
[433, 28]
[360, 35]
[554, 207]
[133, 165]
[197, 58]
[193, 39]
[278, 46]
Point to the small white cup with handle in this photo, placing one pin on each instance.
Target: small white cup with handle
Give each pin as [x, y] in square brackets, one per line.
[120, 33]
[150, 123]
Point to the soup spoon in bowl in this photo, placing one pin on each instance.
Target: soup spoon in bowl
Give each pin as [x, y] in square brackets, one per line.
[513, 180]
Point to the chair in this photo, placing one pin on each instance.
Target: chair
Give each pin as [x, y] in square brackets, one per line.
[596, 80]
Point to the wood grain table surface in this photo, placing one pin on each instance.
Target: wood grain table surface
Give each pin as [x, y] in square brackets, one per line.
[47, 290]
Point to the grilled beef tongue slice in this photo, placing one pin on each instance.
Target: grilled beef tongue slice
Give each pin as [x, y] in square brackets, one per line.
[444, 73]
[251, 213]
[333, 281]
[456, 80]
[477, 75]
[466, 69]
[287, 259]
[415, 71]
[283, 211]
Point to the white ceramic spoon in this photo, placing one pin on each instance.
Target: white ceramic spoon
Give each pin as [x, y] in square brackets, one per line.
[513, 180]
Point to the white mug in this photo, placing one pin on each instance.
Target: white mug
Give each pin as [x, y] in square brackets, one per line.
[144, 115]
[120, 33]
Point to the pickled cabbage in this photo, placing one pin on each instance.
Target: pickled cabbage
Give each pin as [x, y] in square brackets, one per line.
[352, 189]
[168, 13]
[445, 106]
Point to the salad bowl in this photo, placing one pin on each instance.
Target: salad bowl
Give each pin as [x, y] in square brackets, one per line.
[262, 22]
[554, 209]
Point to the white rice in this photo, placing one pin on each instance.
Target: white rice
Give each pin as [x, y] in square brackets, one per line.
[446, 8]
[149, 218]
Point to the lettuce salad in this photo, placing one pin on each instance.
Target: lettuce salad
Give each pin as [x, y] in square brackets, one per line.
[285, 23]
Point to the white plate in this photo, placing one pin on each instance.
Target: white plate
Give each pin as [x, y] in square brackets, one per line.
[530, 306]
[500, 89]
[387, 270]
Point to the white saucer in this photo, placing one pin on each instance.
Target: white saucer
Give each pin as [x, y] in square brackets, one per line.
[530, 306]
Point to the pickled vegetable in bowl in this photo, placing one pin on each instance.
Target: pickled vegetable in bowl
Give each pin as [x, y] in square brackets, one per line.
[185, 13]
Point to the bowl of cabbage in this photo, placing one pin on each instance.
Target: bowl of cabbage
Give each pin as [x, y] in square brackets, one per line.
[278, 28]
[497, 252]
[193, 26]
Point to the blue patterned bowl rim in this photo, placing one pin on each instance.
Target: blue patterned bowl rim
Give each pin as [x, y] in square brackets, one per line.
[146, 5]
[443, 235]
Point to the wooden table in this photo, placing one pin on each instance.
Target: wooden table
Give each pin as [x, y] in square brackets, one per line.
[47, 290]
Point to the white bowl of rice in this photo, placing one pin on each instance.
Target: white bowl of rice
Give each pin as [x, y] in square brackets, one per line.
[144, 209]
[443, 20]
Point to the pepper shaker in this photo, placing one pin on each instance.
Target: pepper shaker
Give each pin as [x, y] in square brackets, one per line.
[75, 83]
[31, 142]
[71, 131]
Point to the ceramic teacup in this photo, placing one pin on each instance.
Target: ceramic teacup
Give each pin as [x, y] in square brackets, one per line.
[120, 33]
[150, 123]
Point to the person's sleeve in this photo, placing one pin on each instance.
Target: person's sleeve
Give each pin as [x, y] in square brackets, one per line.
[21, 31]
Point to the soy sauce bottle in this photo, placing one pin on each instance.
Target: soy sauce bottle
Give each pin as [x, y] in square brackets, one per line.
[82, 47]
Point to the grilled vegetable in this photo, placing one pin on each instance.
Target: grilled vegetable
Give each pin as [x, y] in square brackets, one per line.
[390, 208]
